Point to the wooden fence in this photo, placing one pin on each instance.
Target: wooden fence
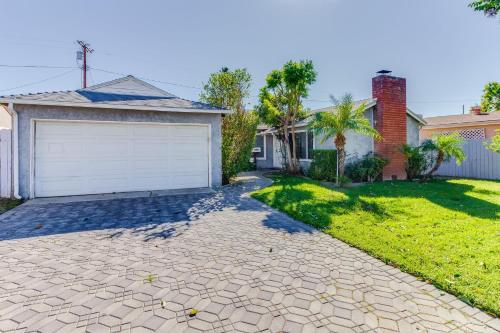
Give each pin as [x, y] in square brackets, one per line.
[480, 163]
[5, 163]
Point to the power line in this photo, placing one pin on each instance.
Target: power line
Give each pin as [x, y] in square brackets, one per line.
[38, 66]
[147, 79]
[41, 81]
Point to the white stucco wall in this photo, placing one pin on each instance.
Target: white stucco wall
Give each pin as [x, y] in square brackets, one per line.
[5, 118]
[357, 145]
[412, 131]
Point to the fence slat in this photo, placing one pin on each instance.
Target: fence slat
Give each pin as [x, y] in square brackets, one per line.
[480, 163]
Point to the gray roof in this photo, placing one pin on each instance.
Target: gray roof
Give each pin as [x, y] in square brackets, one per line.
[368, 102]
[124, 93]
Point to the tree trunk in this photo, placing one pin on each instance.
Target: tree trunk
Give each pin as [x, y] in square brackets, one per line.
[286, 140]
[439, 160]
[340, 145]
[294, 164]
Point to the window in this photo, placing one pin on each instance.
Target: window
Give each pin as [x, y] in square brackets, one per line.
[305, 145]
[310, 145]
[259, 142]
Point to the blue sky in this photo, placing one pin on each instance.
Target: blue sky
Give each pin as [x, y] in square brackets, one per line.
[446, 51]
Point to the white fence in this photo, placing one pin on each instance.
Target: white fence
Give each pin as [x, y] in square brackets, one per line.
[480, 163]
[5, 163]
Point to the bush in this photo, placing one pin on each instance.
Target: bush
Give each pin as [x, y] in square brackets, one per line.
[417, 161]
[369, 168]
[238, 139]
[324, 165]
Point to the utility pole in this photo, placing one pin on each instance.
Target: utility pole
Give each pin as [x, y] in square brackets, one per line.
[85, 49]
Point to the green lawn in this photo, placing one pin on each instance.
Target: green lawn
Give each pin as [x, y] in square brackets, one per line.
[6, 204]
[445, 231]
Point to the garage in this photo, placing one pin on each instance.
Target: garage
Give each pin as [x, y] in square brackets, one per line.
[124, 135]
[77, 158]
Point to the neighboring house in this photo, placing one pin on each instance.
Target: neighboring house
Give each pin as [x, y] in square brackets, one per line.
[386, 111]
[119, 136]
[474, 126]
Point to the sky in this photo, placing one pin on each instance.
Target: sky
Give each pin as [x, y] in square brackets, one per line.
[445, 50]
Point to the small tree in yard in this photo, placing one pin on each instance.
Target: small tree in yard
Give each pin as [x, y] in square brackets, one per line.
[280, 103]
[495, 143]
[444, 147]
[335, 124]
[417, 161]
[228, 89]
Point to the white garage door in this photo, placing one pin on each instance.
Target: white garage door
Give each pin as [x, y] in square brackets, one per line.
[73, 158]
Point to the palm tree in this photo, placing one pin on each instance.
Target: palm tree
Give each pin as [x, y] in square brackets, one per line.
[445, 146]
[345, 116]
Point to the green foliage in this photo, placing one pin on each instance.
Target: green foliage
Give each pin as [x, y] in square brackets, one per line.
[490, 101]
[417, 161]
[150, 278]
[228, 89]
[444, 231]
[323, 165]
[280, 101]
[343, 181]
[366, 169]
[489, 7]
[495, 143]
[345, 116]
[444, 147]
[6, 204]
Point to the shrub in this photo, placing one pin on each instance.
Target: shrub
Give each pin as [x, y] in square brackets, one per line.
[324, 165]
[368, 168]
[417, 161]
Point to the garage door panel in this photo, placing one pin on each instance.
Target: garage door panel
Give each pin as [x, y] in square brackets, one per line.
[106, 131]
[75, 158]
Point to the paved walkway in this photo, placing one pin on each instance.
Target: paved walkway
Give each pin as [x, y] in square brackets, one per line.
[203, 263]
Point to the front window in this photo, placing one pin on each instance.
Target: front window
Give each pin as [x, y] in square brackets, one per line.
[305, 145]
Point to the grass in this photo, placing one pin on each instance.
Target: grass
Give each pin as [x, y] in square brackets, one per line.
[7, 204]
[445, 231]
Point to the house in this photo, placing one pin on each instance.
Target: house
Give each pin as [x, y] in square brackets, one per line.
[387, 112]
[118, 136]
[476, 125]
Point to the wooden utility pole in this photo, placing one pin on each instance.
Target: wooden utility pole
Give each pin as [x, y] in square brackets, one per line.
[85, 49]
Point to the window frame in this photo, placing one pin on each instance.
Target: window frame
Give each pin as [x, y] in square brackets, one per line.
[264, 157]
[307, 145]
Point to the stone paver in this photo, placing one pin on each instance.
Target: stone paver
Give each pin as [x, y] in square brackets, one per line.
[203, 263]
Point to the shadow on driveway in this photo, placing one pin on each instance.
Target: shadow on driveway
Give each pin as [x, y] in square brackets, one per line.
[148, 217]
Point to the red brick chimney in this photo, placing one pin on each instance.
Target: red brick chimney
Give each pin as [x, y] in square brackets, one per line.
[390, 122]
[475, 110]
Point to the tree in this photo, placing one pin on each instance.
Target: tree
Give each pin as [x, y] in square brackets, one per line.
[280, 103]
[490, 101]
[445, 147]
[229, 89]
[417, 161]
[489, 7]
[495, 143]
[344, 117]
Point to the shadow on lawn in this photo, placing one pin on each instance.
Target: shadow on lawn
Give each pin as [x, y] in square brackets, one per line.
[318, 211]
[157, 217]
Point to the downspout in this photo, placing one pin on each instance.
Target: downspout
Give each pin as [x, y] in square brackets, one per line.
[15, 151]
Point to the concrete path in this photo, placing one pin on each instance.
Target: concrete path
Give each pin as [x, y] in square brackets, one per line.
[211, 262]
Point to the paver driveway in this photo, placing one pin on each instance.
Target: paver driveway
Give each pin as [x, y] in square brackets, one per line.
[145, 264]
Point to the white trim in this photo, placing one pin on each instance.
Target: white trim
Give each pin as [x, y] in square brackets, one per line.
[478, 124]
[265, 148]
[114, 106]
[33, 143]
[15, 150]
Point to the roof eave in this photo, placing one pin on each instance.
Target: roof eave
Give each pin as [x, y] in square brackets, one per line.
[114, 106]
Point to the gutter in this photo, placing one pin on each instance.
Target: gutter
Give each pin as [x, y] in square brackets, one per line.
[15, 150]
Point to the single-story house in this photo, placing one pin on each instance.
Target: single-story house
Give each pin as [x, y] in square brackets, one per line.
[387, 112]
[118, 136]
[476, 125]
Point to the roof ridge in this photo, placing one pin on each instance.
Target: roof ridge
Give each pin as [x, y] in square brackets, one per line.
[124, 79]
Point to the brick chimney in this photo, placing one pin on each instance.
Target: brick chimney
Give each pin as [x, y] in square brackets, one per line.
[475, 110]
[390, 122]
